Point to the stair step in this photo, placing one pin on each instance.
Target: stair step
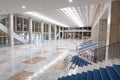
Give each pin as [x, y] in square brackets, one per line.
[83, 76]
[96, 75]
[90, 75]
[112, 73]
[117, 69]
[104, 74]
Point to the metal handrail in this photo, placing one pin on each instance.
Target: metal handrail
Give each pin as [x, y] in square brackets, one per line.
[3, 28]
[113, 50]
[16, 36]
[66, 69]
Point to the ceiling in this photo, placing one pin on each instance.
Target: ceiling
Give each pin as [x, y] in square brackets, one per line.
[58, 10]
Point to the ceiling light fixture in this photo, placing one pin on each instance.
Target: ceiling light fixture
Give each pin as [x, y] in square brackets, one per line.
[23, 7]
[70, 1]
[44, 18]
[72, 13]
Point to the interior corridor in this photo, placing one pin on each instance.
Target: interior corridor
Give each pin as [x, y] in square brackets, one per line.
[33, 61]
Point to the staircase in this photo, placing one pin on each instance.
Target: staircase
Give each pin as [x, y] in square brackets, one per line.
[87, 47]
[98, 71]
[4, 30]
[57, 36]
[20, 39]
[76, 60]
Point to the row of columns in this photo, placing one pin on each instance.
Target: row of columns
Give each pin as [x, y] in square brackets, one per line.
[66, 34]
[11, 31]
[42, 31]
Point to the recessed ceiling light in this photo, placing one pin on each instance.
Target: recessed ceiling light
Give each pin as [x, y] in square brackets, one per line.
[23, 7]
[70, 1]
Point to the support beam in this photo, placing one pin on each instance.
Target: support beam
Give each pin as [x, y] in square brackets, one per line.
[73, 36]
[42, 31]
[11, 36]
[59, 32]
[82, 34]
[55, 32]
[49, 28]
[62, 32]
[30, 30]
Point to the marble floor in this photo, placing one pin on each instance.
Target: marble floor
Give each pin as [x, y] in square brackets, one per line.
[35, 62]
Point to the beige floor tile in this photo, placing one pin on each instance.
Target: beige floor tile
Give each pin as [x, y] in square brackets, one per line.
[59, 65]
[59, 48]
[34, 60]
[72, 50]
[21, 76]
[56, 54]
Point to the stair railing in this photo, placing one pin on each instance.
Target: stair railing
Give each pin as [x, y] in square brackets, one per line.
[67, 60]
[113, 51]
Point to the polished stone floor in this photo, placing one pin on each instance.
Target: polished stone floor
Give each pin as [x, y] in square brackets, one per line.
[35, 62]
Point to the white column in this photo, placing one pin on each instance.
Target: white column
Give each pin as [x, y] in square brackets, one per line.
[42, 31]
[73, 35]
[62, 32]
[59, 32]
[30, 30]
[65, 35]
[108, 32]
[49, 28]
[15, 23]
[78, 35]
[23, 24]
[55, 32]
[82, 33]
[11, 33]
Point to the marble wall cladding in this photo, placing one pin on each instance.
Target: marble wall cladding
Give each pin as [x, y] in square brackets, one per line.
[115, 22]
[94, 33]
[102, 33]
[114, 33]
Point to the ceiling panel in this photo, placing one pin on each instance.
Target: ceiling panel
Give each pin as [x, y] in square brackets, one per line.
[79, 13]
[77, 16]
